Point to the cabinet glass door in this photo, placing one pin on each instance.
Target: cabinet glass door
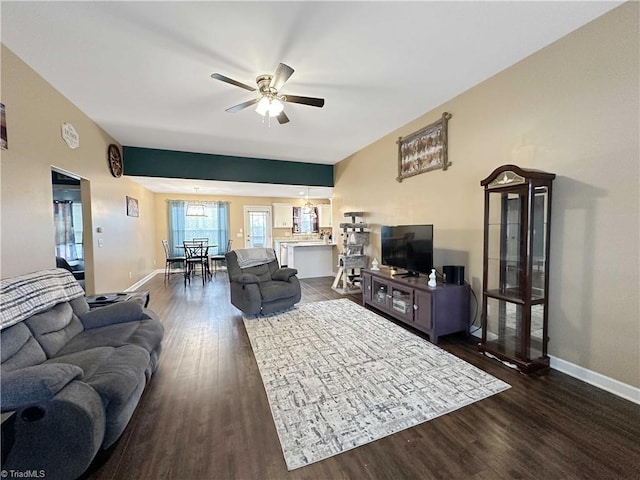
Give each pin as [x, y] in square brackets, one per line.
[505, 246]
[402, 303]
[366, 292]
[539, 247]
[380, 292]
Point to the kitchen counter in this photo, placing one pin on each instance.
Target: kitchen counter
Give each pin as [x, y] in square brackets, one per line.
[310, 258]
[306, 243]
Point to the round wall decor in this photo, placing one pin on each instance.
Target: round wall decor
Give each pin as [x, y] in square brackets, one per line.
[115, 160]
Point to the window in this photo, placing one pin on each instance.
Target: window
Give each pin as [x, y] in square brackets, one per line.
[76, 210]
[305, 220]
[214, 225]
[67, 219]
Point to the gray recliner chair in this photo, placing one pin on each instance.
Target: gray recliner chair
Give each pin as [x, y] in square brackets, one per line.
[258, 285]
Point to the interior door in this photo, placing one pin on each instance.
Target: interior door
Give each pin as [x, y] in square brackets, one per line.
[257, 227]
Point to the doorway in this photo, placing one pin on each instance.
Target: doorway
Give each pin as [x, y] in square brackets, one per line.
[71, 224]
[257, 227]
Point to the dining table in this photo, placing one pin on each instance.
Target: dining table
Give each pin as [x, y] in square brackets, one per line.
[207, 246]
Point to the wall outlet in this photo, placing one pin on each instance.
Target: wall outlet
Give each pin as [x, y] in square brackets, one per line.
[154, 263]
[130, 275]
[239, 235]
[100, 243]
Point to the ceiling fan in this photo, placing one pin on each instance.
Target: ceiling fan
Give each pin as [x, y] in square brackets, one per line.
[269, 99]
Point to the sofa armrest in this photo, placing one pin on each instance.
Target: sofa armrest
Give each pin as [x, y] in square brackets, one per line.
[245, 278]
[36, 384]
[283, 274]
[120, 312]
[61, 436]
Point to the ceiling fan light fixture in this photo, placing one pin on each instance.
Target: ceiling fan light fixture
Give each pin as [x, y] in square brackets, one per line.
[270, 103]
[263, 106]
[275, 107]
[269, 106]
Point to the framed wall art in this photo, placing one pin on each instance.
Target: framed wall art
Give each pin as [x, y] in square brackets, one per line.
[132, 207]
[424, 150]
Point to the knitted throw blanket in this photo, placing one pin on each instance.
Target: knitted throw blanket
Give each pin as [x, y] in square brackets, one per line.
[26, 295]
[250, 257]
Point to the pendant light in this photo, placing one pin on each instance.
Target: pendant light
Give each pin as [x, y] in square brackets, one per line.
[195, 209]
[308, 207]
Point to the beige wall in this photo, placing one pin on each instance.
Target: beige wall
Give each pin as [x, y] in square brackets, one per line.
[236, 215]
[35, 112]
[570, 109]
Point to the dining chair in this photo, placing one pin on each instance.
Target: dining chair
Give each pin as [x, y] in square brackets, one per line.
[220, 257]
[171, 260]
[197, 257]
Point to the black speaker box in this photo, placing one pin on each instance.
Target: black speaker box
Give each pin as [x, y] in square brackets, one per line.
[453, 274]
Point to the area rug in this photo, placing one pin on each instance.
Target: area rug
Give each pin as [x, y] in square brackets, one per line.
[338, 376]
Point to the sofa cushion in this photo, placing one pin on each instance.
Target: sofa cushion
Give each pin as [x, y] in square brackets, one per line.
[120, 312]
[263, 272]
[144, 333]
[18, 348]
[79, 305]
[118, 376]
[88, 360]
[55, 327]
[275, 290]
[284, 274]
[36, 384]
[246, 279]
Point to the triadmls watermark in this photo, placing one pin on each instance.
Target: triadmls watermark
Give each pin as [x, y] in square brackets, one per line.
[23, 473]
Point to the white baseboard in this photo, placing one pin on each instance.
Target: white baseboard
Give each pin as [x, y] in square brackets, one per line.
[142, 281]
[603, 382]
[609, 384]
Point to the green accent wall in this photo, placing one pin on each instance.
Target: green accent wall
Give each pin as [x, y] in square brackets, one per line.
[148, 162]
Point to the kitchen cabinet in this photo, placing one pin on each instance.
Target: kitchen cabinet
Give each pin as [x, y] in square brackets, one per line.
[311, 259]
[282, 215]
[325, 219]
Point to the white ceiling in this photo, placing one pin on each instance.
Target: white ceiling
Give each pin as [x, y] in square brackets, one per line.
[141, 70]
[243, 189]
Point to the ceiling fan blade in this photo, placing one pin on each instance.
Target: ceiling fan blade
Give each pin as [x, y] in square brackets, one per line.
[282, 118]
[312, 101]
[283, 72]
[222, 78]
[242, 105]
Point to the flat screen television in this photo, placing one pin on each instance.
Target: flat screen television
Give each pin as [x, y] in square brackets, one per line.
[408, 247]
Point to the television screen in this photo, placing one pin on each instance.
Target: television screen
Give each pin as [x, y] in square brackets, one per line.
[408, 247]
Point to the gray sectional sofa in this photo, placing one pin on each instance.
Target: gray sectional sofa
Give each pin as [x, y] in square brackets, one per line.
[74, 376]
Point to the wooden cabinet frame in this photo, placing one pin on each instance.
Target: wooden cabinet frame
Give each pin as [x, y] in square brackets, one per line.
[517, 221]
[435, 311]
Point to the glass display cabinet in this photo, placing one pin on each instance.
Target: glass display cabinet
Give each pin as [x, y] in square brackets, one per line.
[517, 213]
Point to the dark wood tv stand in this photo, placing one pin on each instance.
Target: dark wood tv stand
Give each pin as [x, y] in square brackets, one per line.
[435, 311]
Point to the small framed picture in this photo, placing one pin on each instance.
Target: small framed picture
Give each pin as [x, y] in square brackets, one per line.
[132, 207]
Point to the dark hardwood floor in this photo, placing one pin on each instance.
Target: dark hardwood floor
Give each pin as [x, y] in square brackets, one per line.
[205, 414]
